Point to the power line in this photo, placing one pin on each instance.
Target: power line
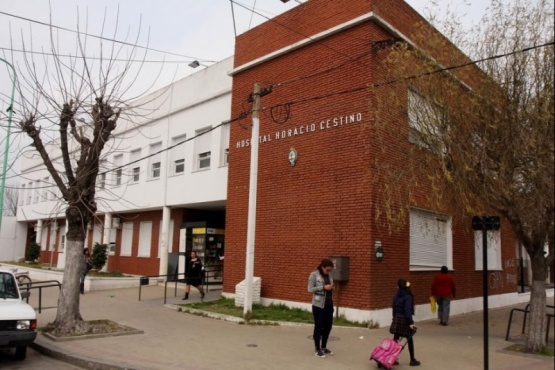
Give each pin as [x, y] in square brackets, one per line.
[102, 37]
[241, 116]
[95, 58]
[291, 29]
[457, 66]
[347, 91]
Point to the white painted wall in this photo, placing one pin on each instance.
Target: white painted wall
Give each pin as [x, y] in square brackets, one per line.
[192, 103]
[12, 239]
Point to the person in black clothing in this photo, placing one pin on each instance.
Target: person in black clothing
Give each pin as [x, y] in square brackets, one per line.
[194, 276]
[403, 324]
[85, 268]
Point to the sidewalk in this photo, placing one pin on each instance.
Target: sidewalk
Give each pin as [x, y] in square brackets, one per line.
[175, 340]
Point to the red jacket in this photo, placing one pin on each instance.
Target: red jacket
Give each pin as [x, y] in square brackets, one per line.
[443, 286]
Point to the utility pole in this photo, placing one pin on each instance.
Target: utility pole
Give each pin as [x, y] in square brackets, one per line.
[5, 163]
[253, 183]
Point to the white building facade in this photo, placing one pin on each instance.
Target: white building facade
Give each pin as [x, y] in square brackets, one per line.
[165, 168]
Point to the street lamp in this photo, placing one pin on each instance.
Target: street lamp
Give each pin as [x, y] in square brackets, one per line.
[10, 111]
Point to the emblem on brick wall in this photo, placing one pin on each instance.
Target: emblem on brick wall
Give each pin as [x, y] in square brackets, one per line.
[293, 156]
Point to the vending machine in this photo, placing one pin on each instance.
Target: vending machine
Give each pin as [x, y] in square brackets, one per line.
[208, 242]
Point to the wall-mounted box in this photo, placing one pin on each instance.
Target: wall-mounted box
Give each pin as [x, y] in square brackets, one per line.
[341, 268]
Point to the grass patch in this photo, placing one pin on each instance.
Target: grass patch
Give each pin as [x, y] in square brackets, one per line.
[46, 266]
[105, 274]
[547, 351]
[22, 264]
[274, 312]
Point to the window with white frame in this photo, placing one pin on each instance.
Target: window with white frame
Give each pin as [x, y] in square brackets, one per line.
[112, 242]
[224, 156]
[101, 177]
[117, 174]
[430, 240]
[37, 192]
[134, 157]
[145, 239]
[493, 250]
[46, 185]
[204, 160]
[203, 141]
[126, 238]
[178, 155]
[54, 192]
[155, 161]
[29, 193]
[63, 240]
[170, 238]
[102, 180]
[22, 195]
[53, 232]
[98, 230]
[425, 119]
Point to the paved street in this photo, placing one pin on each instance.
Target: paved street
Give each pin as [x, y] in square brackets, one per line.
[34, 361]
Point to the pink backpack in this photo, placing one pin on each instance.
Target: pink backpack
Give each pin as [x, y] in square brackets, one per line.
[386, 353]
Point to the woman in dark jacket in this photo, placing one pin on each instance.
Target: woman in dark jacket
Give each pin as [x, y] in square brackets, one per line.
[194, 276]
[403, 324]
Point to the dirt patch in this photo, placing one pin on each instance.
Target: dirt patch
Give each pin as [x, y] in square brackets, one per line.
[93, 329]
[521, 348]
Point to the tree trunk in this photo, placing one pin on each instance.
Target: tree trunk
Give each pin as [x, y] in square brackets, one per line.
[68, 318]
[536, 331]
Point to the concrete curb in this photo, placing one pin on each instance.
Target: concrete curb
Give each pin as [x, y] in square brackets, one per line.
[42, 346]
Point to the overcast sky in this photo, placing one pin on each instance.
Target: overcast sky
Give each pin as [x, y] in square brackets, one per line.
[177, 31]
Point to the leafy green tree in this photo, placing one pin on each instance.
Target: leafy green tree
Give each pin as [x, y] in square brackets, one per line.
[34, 251]
[483, 133]
[99, 256]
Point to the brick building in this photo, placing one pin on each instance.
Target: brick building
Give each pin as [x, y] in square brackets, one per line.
[317, 63]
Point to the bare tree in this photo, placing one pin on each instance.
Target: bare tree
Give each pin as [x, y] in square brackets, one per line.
[483, 133]
[70, 109]
[11, 198]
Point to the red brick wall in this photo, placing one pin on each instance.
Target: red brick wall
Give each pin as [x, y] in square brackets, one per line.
[143, 265]
[150, 265]
[325, 204]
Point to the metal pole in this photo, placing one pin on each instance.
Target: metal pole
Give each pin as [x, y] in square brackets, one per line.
[485, 288]
[521, 271]
[251, 222]
[4, 167]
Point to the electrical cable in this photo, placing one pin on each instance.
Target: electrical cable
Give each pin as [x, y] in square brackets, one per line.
[97, 58]
[292, 30]
[351, 90]
[101, 37]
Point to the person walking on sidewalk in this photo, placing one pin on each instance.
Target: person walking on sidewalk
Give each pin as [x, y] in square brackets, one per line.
[443, 288]
[403, 324]
[320, 284]
[194, 276]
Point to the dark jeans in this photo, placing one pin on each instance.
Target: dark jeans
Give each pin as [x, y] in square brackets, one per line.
[323, 321]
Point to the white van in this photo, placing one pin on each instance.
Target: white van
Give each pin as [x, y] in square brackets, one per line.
[18, 320]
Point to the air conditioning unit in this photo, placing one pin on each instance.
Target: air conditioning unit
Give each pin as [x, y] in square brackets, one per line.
[116, 223]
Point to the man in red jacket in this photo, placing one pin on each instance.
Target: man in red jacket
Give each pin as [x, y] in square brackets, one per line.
[443, 288]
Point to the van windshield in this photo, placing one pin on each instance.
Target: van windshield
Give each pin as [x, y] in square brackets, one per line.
[8, 287]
